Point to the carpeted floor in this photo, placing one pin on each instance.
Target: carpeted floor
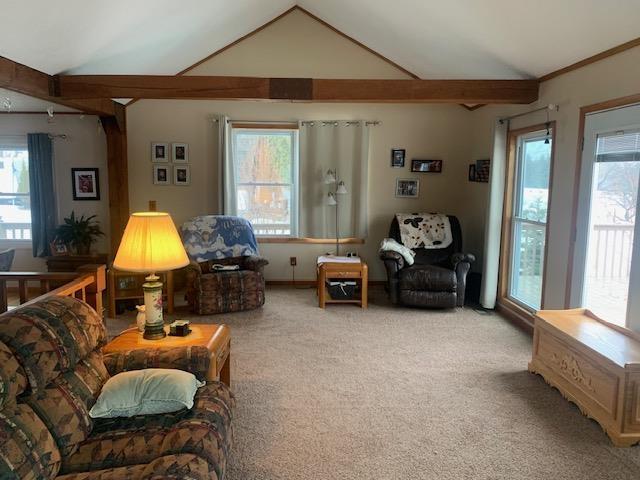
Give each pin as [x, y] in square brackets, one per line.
[390, 393]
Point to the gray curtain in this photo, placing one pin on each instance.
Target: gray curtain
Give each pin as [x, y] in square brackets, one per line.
[41, 184]
[227, 204]
[343, 146]
[493, 220]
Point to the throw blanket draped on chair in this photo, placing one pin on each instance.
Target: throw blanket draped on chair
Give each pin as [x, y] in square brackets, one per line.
[211, 237]
[424, 230]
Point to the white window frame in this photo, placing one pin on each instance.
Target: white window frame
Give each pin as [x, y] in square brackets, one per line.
[15, 143]
[259, 229]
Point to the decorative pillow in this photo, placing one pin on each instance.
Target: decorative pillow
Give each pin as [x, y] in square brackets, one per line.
[146, 392]
[391, 244]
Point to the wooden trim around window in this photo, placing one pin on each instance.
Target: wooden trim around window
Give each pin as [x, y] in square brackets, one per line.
[517, 315]
[620, 102]
[513, 310]
[315, 241]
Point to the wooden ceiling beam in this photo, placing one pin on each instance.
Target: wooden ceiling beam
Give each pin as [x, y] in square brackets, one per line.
[70, 87]
[34, 83]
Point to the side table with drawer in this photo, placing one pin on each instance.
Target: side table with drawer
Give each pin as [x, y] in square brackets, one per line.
[342, 271]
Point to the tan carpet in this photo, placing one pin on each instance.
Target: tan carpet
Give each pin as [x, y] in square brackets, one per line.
[390, 393]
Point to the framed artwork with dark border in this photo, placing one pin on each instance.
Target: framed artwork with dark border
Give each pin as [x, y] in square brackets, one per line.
[482, 170]
[407, 187]
[397, 157]
[426, 166]
[85, 183]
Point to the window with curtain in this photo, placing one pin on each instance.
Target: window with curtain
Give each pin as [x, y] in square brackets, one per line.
[15, 201]
[265, 161]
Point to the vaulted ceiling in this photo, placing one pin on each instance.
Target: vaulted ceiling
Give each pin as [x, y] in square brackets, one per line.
[490, 39]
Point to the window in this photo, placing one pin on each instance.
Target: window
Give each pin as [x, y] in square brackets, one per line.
[266, 166]
[15, 200]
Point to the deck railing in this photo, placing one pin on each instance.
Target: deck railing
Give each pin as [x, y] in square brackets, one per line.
[15, 230]
[87, 283]
[611, 249]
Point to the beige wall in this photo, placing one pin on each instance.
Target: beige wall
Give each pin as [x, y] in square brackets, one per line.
[426, 131]
[615, 77]
[84, 147]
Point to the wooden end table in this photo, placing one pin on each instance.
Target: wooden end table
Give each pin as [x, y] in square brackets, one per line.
[342, 271]
[216, 338]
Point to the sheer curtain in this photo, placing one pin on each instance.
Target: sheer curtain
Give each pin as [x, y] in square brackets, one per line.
[493, 221]
[344, 147]
[42, 189]
[227, 204]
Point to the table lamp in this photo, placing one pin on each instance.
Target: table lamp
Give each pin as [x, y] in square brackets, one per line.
[151, 244]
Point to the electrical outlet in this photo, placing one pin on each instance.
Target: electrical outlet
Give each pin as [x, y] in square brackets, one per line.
[293, 261]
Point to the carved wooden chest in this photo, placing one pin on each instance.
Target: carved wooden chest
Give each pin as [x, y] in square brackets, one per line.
[595, 365]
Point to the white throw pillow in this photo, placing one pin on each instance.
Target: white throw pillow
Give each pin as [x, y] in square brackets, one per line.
[146, 392]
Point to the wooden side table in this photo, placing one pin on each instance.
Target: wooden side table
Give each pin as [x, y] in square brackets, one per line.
[342, 271]
[70, 263]
[216, 338]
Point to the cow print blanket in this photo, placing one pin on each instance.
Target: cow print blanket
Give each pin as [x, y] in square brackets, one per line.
[424, 230]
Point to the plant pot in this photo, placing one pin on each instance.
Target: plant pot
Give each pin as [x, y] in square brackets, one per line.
[83, 249]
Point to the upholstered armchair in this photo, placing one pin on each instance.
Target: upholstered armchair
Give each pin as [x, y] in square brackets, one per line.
[437, 278]
[217, 240]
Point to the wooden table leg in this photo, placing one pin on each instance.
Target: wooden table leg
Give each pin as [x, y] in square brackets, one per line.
[364, 300]
[322, 291]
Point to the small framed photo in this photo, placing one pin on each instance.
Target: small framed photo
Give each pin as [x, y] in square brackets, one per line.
[180, 152]
[482, 170]
[407, 187]
[397, 157]
[85, 184]
[472, 172]
[58, 248]
[426, 166]
[181, 175]
[161, 175]
[159, 152]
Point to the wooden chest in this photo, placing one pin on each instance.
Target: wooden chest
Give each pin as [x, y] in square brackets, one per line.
[593, 364]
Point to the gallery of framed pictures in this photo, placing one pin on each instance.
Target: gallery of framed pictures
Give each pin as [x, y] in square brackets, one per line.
[164, 173]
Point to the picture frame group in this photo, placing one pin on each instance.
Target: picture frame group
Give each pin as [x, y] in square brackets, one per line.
[164, 153]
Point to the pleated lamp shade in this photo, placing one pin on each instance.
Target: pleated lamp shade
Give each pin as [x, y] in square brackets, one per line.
[150, 244]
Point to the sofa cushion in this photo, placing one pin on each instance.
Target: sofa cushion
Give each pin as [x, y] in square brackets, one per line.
[204, 430]
[29, 452]
[50, 336]
[64, 405]
[425, 299]
[12, 376]
[181, 466]
[428, 277]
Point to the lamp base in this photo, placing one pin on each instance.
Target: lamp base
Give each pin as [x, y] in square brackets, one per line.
[154, 323]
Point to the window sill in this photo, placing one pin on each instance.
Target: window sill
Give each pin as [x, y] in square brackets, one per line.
[312, 241]
[19, 244]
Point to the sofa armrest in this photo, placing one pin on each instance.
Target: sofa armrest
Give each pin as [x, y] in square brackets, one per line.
[194, 359]
[461, 263]
[393, 263]
[255, 263]
[396, 260]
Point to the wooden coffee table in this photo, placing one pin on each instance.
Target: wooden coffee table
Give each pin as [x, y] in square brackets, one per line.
[216, 338]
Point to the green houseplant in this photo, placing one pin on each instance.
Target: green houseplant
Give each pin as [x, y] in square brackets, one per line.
[79, 232]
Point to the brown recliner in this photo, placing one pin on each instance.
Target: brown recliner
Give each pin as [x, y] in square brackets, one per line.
[437, 279]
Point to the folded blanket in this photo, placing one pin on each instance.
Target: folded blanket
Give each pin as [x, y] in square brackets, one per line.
[389, 244]
[425, 230]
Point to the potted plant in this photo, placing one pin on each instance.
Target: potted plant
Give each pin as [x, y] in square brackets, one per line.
[79, 232]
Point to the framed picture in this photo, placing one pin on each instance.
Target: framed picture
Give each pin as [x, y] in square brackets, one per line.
[482, 170]
[85, 183]
[426, 166]
[58, 248]
[397, 157]
[181, 175]
[161, 175]
[407, 187]
[180, 152]
[159, 152]
[472, 172]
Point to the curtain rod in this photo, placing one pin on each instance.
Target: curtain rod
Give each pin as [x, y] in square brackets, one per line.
[306, 122]
[551, 107]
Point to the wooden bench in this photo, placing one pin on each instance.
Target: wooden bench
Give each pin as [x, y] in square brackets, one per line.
[595, 365]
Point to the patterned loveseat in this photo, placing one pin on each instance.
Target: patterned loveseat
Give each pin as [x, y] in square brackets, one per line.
[212, 240]
[52, 371]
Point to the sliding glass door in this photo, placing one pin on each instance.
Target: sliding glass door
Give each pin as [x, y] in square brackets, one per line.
[606, 251]
[527, 212]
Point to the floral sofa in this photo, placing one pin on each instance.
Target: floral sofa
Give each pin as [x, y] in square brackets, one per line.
[52, 371]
